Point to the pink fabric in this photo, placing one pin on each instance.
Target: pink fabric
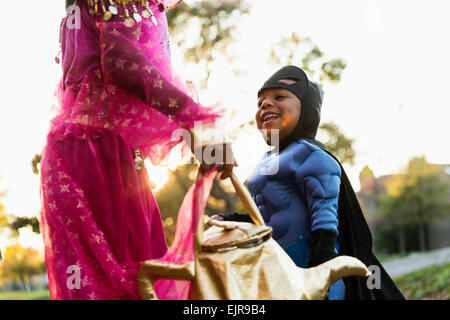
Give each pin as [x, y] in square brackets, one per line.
[182, 249]
[170, 3]
[117, 93]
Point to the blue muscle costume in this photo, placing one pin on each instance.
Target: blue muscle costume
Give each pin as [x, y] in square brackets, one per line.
[304, 194]
[300, 199]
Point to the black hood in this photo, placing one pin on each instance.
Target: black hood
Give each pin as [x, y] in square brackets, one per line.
[310, 96]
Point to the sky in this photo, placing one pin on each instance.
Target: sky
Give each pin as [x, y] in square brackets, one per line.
[392, 99]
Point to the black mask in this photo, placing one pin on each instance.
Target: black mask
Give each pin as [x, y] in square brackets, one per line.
[310, 96]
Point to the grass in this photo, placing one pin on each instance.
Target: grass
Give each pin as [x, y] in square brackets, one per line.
[432, 283]
[386, 257]
[25, 295]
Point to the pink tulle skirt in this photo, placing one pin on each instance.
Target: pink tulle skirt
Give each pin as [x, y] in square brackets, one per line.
[99, 218]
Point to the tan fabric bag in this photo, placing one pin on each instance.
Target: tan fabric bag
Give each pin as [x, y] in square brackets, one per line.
[241, 261]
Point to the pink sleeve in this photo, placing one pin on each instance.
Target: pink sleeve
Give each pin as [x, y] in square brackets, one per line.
[147, 102]
[138, 59]
[142, 69]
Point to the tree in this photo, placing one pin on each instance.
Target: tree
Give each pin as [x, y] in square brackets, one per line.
[302, 52]
[13, 224]
[203, 31]
[23, 222]
[414, 198]
[389, 210]
[35, 162]
[3, 216]
[21, 264]
[3, 223]
[338, 143]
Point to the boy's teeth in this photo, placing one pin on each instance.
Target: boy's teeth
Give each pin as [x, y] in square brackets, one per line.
[270, 117]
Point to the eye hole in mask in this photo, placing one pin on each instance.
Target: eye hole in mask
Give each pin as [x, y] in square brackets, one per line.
[288, 81]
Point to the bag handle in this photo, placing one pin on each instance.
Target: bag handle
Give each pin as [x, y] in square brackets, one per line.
[247, 201]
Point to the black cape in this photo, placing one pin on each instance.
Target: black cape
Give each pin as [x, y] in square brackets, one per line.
[356, 241]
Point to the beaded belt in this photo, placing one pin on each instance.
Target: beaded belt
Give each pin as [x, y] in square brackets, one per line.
[109, 9]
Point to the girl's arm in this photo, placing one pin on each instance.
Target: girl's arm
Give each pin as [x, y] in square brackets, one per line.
[136, 58]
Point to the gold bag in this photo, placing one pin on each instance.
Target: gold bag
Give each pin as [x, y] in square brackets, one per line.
[241, 261]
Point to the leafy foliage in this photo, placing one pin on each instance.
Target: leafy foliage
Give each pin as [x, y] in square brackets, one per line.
[204, 30]
[23, 222]
[415, 197]
[428, 283]
[20, 264]
[302, 52]
[4, 220]
[338, 143]
[17, 222]
[35, 162]
[3, 217]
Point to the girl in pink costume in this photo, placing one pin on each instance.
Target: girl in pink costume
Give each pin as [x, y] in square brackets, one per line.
[118, 102]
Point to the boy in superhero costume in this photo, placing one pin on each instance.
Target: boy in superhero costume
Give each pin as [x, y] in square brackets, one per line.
[309, 201]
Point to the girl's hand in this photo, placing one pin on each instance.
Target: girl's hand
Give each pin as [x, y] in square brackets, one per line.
[224, 165]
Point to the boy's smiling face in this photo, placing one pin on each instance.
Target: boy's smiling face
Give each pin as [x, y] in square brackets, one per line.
[278, 109]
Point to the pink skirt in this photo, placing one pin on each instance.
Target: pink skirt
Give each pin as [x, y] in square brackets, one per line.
[99, 219]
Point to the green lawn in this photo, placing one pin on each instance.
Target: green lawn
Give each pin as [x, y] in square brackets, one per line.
[432, 283]
[24, 295]
[386, 257]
